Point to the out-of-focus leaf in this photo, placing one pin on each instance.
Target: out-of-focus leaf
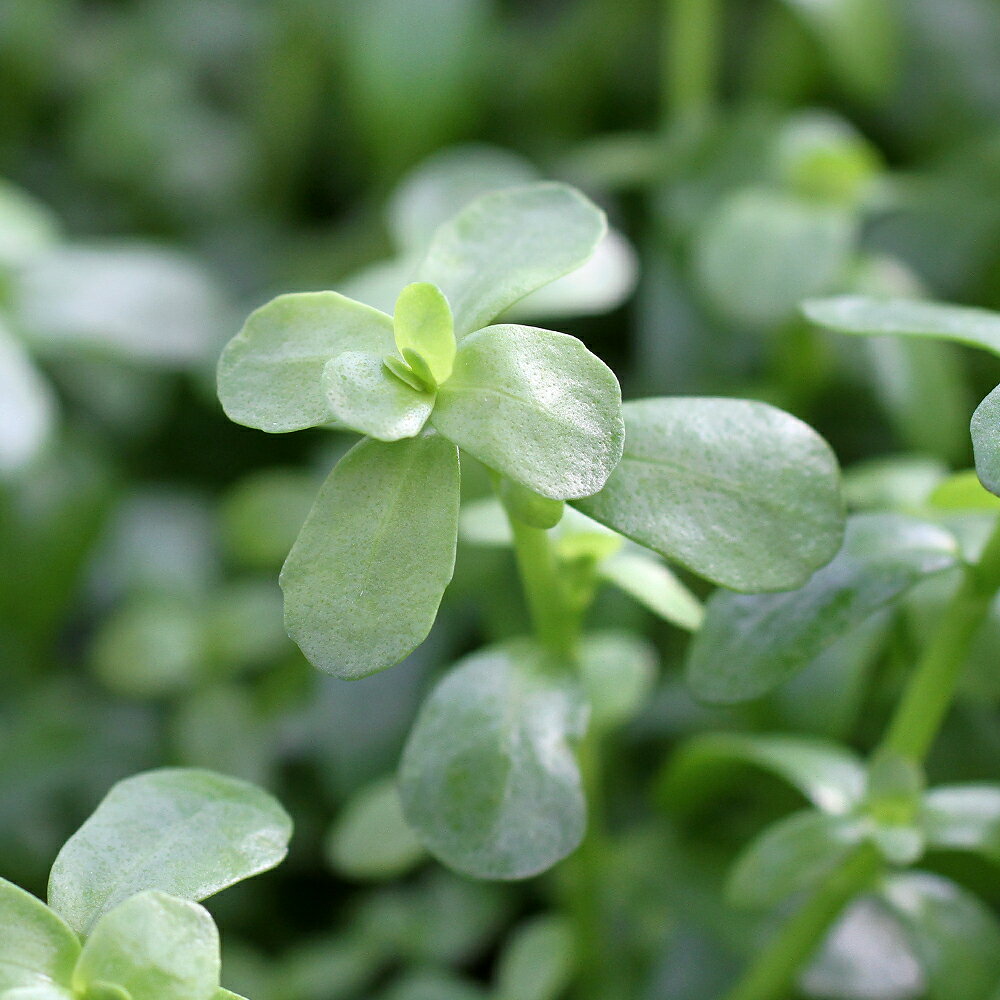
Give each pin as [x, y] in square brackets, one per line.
[963, 491]
[963, 818]
[749, 643]
[537, 961]
[366, 575]
[36, 948]
[617, 670]
[27, 227]
[27, 406]
[488, 779]
[738, 491]
[187, 832]
[654, 586]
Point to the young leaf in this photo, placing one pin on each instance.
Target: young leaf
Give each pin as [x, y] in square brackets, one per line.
[27, 406]
[749, 643]
[862, 314]
[36, 948]
[506, 244]
[365, 577]
[536, 406]
[653, 585]
[422, 323]
[487, 778]
[986, 441]
[368, 399]
[528, 507]
[963, 818]
[617, 670]
[537, 961]
[155, 946]
[738, 491]
[270, 373]
[831, 777]
[793, 854]
[187, 832]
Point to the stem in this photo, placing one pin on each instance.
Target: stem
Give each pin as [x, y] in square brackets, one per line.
[929, 694]
[690, 58]
[773, 975]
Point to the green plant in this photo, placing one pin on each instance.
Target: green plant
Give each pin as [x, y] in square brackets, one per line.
[123, 920]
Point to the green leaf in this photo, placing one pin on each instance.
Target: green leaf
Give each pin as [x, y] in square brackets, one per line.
[791, 855]
[830, 776]
[536, 406]
[528, 507]
[986, 441]
[27, 227]
[963, 818]
[187, 832]
[364, 396]
[760, 253]
[537, 962]
[654, 586]
[737, 491]
[156, 946]
[868, 316]
[221, 994]
[422, 323]
[365, 577]
[508, 243]
[36, 948]
[963, 491]
[270, 373]
[27, 406]
[955, 937]
[46, 991]
[749, 643]
[487, 778]
[617, 670]
[371, 839]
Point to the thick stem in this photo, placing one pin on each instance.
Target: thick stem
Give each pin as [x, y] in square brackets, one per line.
[690, 58]
[773, 975]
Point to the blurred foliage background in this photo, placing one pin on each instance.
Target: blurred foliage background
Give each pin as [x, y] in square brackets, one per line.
[168, 165]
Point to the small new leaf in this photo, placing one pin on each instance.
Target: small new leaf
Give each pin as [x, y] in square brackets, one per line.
[423, 325]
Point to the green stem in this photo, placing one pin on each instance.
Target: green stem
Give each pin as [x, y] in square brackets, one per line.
[690, 58]
[772, 977]
[929, 694]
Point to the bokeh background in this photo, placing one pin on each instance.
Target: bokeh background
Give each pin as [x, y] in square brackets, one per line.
[168, 165]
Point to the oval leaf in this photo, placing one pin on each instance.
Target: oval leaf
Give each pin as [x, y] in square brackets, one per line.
[187, 832]
[27, 406]
[986, 441]
[508, 243]
[749, 643]
[740, 492]
[537, 962]
[964, 818]
[488, 779]
[422, 323]
[654, 586]
[536, 406]
[365, 577]
[270, 373]
[36, 948]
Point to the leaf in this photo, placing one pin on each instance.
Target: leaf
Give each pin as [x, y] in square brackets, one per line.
[27, 406]
[156, 946]
[862, 314]
[422, 323]
[986, 441]
[955, 937]
[364, 396]
[617, 670]
[791, 855]
[508, 243]
[487, 778]
[537, 962]
[371, 838]
[36, 948]
[830, 776]
[963, 818]
[27, 227]
[187, 832]
[365, 577]
[654, 586]
[221, 994]
[536, 406]
[528, 507]
[270, 373]
[963, 491]
[760, 253]
[749, 643]
[740, 492]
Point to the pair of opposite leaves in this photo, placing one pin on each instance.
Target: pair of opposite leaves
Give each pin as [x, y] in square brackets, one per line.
[365, 577]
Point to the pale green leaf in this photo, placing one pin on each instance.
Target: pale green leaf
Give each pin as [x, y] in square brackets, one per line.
[270, 373]
[528, 507]
[156, 946]
[36, 948]
[27, 227]
[653, 585]
[371, 838]
[536, 406]
[963, 818]
[221, 994]
[537, 962]
[48, 991]
[617, 671]
[366, 575]
[488, 779]
[422, 323]
[737, 491]
[187, 832]
[963, 491]
[869, 316]
[364, 396]
[986, 441]
[508, 243]
[27, 406]
[749, 643]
